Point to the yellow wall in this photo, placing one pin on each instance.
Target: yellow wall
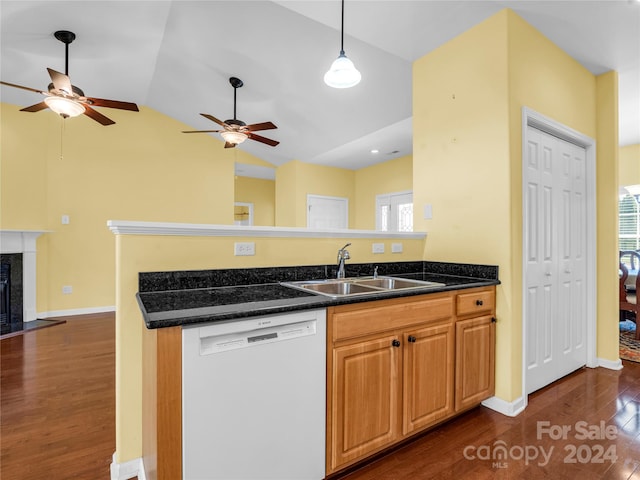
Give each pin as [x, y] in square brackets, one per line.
[164, 253]
[629, 171]
[262, 193]
[467, 153]
[141, 168]
[607, 216]
[295, 180]
[287, 196]
[387, 177]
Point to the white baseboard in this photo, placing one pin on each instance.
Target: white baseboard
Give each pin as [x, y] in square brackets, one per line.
[76, 311]
[610, 364]
[510, 409]
[126, 470]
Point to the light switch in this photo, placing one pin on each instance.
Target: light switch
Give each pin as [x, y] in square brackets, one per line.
[65, 219]
[428, 212]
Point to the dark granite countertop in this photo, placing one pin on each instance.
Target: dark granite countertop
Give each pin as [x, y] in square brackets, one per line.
[183, 298]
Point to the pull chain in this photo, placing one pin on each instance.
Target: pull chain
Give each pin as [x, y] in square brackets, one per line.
[62, 129]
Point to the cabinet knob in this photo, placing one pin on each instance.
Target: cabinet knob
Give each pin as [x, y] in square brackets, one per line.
[412, 339]
[494, 320]
[479, 302]
[395, 343]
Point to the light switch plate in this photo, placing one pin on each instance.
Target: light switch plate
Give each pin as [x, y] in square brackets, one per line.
[244, 248]
[396, 248]
[377, 248]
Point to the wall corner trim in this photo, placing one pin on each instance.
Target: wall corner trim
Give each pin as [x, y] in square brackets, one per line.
[510, 409]
[610, 364]
[126, 470]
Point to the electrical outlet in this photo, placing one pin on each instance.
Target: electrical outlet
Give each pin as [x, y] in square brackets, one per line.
[396, 248]
[67, 290]
[244, 248]
[377, 248]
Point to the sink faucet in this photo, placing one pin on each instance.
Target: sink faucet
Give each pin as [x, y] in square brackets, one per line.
[343, 255]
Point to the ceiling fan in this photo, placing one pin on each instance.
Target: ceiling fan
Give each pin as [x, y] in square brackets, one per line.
[236, 131]
[68, 100]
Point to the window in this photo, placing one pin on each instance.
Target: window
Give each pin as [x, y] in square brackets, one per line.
[394, 212]
[629, 222]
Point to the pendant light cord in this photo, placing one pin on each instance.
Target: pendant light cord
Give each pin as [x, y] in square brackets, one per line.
[342, 31]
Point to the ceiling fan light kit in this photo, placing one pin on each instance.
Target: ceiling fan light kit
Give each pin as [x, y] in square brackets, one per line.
[236, 138]
[65, 107]
[342, 73]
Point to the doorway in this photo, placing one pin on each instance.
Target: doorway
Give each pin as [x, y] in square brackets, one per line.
[558, 251]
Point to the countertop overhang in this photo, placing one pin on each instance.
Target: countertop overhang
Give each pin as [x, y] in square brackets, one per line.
[168, 308]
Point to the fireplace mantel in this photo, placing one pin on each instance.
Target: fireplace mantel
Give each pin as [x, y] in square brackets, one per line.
[24, 242]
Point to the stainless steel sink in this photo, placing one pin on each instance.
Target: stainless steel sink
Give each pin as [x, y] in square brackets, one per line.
[390, 283]
[360, 286]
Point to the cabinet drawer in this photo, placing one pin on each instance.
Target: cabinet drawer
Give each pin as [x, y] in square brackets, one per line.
[481, 301]
[354, 321]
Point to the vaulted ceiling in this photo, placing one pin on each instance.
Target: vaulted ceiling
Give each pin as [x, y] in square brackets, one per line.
[177, 56]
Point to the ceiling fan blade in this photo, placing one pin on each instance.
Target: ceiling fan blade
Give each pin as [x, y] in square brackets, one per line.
[23, 88]
[35, 108]
[60, 81]
[101, 102]
[97, 116]
[261, 139]
[214, 119]
[260, 126]
[202, 131]
[229, 145]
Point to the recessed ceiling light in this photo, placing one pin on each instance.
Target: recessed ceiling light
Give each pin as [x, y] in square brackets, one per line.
[374, 151]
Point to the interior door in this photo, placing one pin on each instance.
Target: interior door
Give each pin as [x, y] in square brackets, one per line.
[554, 247]
[327, 212]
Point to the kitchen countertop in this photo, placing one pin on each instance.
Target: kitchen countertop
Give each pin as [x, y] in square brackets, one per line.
[187, 306]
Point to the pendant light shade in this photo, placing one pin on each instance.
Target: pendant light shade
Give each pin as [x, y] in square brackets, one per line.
[342, 73]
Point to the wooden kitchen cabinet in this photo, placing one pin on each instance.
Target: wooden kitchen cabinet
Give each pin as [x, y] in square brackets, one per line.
[475, 346]
[397, 367]
[365, 397]
[390, 373]
[428, 376]
[475, 361]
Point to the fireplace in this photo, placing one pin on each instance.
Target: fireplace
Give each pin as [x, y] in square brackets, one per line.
[11, 301]
[18, 276]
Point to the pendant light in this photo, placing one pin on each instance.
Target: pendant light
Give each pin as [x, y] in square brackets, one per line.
[342, 73]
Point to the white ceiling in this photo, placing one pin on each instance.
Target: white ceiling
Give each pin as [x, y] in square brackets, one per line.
[177, 56]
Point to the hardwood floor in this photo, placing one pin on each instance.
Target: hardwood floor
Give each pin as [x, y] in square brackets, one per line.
[57, 420]
[57, 401]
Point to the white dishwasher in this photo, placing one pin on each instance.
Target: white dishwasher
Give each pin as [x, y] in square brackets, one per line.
[254, 398]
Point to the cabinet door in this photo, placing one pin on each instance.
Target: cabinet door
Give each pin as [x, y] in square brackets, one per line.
[365, 398]
[427, 376]
[475, 361]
